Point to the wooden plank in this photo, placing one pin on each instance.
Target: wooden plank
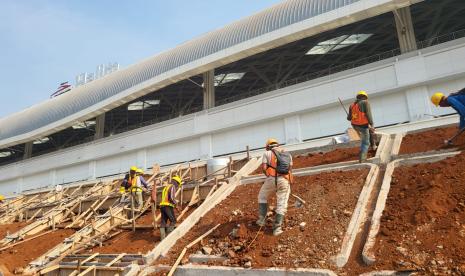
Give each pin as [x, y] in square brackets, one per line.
[90, 258]
[178, 260]
[89, 269]
[49, 269]
[119, 257]
[220, 194]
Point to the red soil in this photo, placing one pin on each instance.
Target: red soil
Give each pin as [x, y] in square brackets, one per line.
[139, 242]
[21, 254]
[11, 228]
[330, 199]
[431, 140]
[423, 225]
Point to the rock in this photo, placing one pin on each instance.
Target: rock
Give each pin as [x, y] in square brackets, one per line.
[347, 213]
[207, 250]
[401, 250]
[237, 248]
[266, 253]
[231, 254]
[18, 270]
[248, 264]
[302, 226]
[433, 262]
[440, 246]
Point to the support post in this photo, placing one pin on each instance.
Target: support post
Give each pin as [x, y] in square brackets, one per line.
[99, 126]
[209, 89]
[405, 30]
[27, 150]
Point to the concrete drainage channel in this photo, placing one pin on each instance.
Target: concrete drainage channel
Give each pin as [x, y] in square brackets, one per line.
[368, 253]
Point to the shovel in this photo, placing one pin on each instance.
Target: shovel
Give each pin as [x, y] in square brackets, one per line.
[449, 142]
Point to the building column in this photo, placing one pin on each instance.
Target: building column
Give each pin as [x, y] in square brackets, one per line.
[419, 106]
[293, 131]
[99, 126]
[27, 150]
[405, 30]
[206, 151]
[209, 89]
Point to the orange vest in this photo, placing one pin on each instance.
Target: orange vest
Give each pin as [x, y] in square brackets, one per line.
[271, 171]
[359, 118]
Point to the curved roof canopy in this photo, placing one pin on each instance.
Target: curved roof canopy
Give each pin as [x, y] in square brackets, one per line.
[101, 95]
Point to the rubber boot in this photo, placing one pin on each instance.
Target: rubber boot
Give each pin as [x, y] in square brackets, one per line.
[162, 233]
[363, 157]
[169, 229]
[277, 229]
[262, 209]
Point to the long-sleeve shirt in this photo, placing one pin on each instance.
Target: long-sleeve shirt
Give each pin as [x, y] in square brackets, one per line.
[457, 102]
[141, 180]
[364, 106]
[172, 194]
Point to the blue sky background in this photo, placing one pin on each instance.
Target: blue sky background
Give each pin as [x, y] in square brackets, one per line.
[45, 42]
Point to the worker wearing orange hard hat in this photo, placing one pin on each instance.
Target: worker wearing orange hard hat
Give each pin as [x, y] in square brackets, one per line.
[456, 101]
[361, 119]
[277, 166]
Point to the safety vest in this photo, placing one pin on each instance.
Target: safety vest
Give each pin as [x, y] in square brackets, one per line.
[271, 171]
[135, 184]
[359, 118]
[165, 196]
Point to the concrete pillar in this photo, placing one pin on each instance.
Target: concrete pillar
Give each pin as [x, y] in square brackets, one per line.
[405, 30]
[418, 103]
[293, 131]
[92, 169]
[27, 150]
[209, 89]
[99, 126]
[206, 150]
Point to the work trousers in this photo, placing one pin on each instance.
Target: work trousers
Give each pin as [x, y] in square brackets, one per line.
[167, 213]
[138, 200]
[282, 189]
[364, 133]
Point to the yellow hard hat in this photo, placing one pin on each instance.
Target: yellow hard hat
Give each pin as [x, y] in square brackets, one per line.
[2, 197]
[436, 98]
[133, 168]
[362, 92]
[271, 141]
[177, 178]
[141, 171]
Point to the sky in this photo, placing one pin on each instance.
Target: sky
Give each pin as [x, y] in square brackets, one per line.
[46, 42]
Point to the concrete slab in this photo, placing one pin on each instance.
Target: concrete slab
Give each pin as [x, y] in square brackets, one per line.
[195, 270]
[202, 258]
[368, 253]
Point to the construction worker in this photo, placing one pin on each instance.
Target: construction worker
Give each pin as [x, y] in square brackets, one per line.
[136, 188]
[2, 198]
[362, 121]
[127, 183]
[454, 100]
[277, 166]
[167, 205]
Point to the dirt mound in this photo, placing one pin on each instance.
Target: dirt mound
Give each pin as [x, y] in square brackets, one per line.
[431, 140]
[330, 199]
[21, 254]
[423, 225]
[11, 228]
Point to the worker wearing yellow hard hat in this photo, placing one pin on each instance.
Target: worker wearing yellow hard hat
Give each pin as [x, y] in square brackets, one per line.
[456, 101]
[2, 198]
[128, 181]
[277, 166]
[361, 119]
[136, 188]
[167, 204]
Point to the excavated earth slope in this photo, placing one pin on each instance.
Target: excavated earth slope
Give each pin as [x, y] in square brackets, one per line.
[423, 225]
[20, 255]
[431, 140]
[330, 199]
